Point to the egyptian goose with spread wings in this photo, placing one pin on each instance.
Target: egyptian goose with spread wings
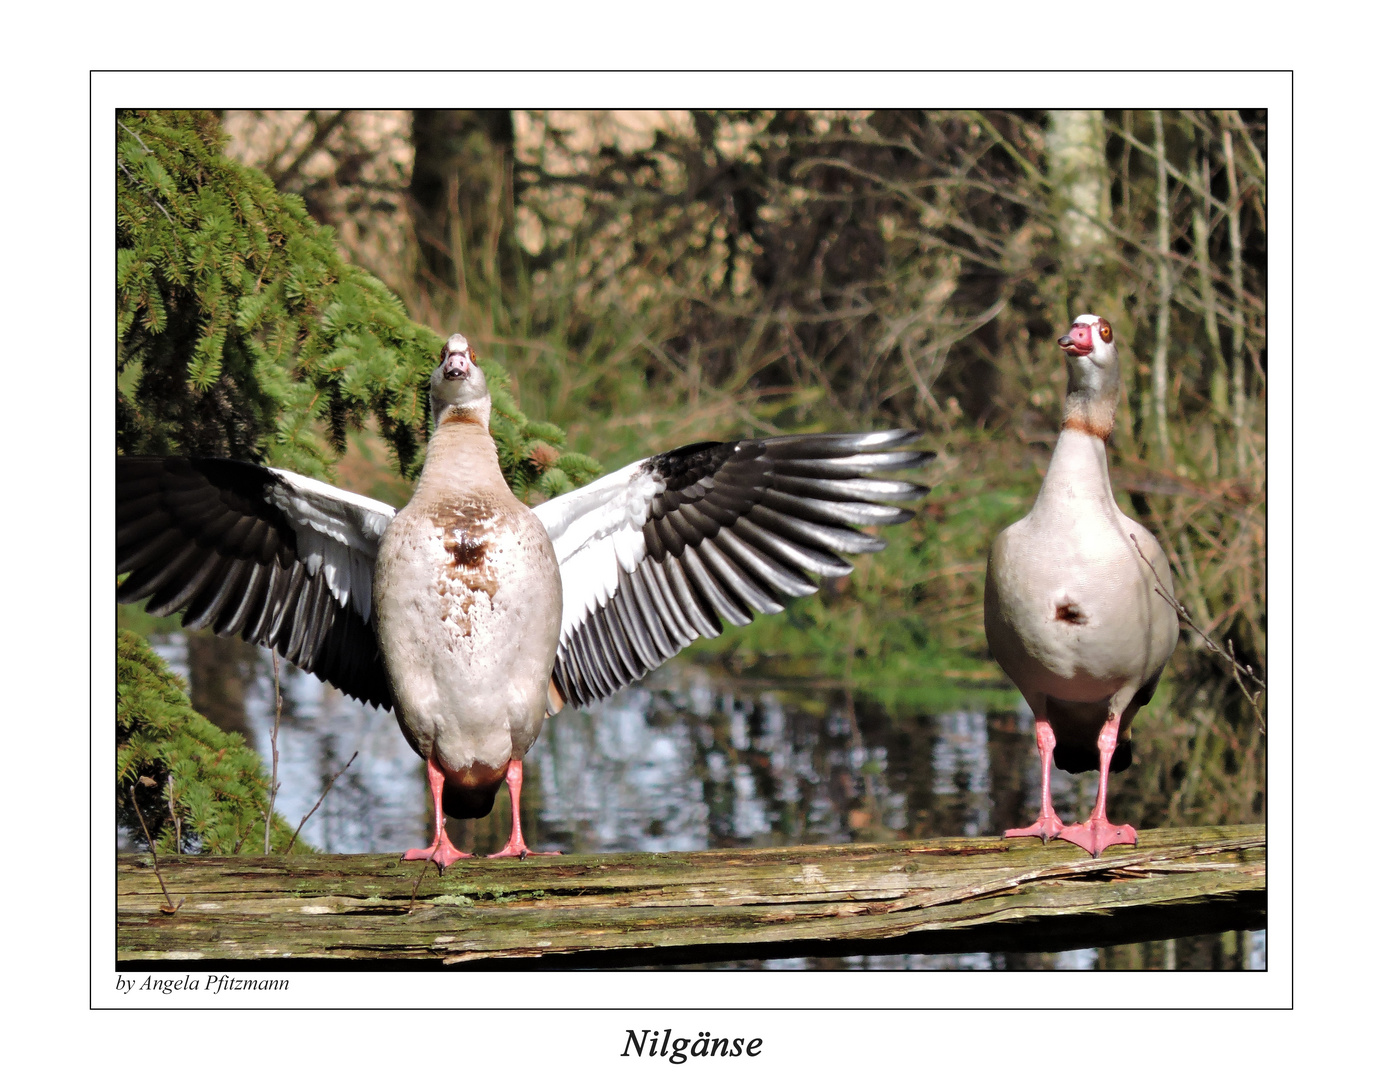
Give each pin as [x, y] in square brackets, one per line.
[1071, 607]
[473, 616]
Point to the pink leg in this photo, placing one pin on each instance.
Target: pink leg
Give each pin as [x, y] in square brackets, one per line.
[1047, 824]
[514, 778]
[1097, 833]
[442, 851]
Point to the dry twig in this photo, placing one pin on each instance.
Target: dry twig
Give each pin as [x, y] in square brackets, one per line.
[274, 745]
[1240, 670]
[318, 803]
[169, 908]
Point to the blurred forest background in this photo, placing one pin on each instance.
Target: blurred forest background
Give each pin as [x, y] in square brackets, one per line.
[647, 279]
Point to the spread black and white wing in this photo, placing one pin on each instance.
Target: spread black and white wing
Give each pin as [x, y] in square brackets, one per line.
[658, 553]
[262, 554]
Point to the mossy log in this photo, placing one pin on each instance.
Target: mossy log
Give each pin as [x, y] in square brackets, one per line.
[631, 910]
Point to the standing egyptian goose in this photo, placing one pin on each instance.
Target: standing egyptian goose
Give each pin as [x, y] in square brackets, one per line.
[1070, 604]
[472, 616]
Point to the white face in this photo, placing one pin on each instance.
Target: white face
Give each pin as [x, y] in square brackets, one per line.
[457, 379]
[1090, 335]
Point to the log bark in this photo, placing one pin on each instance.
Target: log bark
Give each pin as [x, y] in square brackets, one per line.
[623, 910]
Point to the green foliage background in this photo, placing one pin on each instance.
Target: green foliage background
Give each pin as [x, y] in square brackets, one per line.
[243, 333]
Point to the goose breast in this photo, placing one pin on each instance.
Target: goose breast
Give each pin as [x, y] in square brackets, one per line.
[470, 603]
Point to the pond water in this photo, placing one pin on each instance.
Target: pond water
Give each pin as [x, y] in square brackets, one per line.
[690, 759]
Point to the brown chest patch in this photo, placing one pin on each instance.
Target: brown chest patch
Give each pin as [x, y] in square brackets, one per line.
[1070, 612]
[470, 570]
[467, 552]
[468, 578]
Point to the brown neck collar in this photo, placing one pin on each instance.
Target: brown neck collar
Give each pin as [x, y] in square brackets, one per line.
[1095, 421]
[1090, 408]
[473, 412]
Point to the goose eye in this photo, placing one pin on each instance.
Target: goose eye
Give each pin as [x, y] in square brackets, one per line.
[1106, 331]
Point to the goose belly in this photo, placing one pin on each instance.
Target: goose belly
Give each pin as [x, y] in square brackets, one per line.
[469, 607]
[1078, 620]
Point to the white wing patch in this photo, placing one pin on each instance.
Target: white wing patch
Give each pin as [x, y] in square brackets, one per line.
[595, 531]
[338, 532]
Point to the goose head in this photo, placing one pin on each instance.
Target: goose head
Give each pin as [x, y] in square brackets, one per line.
[459, 393]
[1092, 366]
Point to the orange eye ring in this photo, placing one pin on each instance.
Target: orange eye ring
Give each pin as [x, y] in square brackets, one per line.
[1106, 331]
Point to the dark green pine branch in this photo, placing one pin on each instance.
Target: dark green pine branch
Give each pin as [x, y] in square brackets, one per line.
[243, 333]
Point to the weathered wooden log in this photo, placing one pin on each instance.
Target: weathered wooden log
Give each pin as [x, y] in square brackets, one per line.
[934, 895]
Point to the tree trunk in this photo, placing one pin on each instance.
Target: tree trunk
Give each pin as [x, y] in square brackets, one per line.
[1078, 174]
[461, 198]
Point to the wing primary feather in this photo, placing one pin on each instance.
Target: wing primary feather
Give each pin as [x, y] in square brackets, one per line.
[847, 541]
[329, 612]
[620, 621]
[622, 654]
[286, 606]
[135, 533]
[179, 591]
[623, 667]
[262, 542]
[737, 579]
[158, 577]
[653, 618]
[685, 528]
[727, 608]
[150, 554]
[212, 529]
[854, 465]
[653, 543]
[295, 628]
[833, 513]
[559, 677]
[848, 489]
[767, 570]
[138, 504]
[582, 649]
[669, 537]
[319, 618]
[576, 688]
[719, 511]
[695, 515]
[209, 606]
[602, 652]
[825, 446]
[250, 600]
[818, 561]
[298, 627]
[631, 620]
[700, 614]
[576, 679]
[258, 631]
[660, 588]
[233, 539]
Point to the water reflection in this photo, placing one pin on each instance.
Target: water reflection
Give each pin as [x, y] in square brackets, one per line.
[689, 760]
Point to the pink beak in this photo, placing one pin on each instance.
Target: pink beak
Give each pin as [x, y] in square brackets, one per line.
[457, 365]
[1078, 341]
